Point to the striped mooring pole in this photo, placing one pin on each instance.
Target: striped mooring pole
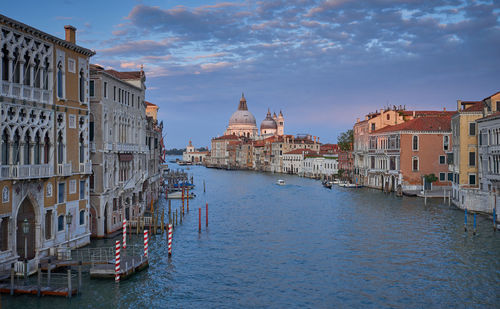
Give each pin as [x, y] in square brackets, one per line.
[465, 220]
[117, 261]
[124, 234]
[170, 240]
[146, 239]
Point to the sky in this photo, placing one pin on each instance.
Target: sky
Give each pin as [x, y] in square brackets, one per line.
[323, 63]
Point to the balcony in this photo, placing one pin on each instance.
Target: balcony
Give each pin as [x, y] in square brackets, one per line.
[64, 169]
[26, 171]
[23, 92]
[86, 168]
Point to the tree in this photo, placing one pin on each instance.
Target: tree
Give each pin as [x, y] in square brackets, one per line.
[345, 140]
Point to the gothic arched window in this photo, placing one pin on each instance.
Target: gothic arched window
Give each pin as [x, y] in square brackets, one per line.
[60, 85]
[60, 148]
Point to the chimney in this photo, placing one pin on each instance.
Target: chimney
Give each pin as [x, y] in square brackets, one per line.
[357, 120]
[413, 114]
[459, 102]
[444, 109]
[70, 33]
[382, 111]
[366, 117]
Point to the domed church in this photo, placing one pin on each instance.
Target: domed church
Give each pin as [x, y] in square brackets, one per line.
[242, 123]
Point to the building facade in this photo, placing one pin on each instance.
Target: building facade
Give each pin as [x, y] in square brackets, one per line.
[45, 162]
[118, 148]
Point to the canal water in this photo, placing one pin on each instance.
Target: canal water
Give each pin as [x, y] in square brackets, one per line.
[302, 245]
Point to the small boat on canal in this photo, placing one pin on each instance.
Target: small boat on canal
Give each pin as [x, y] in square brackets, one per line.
[280, 182]
[178, 195]
[327, 184]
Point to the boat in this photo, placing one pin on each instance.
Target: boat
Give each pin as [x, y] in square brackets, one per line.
[178, 195]
[335, 181]
[280, 182]
[350, 185]
[327, 184]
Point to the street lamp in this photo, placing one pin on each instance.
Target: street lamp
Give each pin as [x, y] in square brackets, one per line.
[69, 218]
[26, 230]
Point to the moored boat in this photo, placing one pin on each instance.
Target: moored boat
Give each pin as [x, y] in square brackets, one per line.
[280, 182]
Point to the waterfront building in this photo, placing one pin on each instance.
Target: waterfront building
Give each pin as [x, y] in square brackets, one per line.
[401, 155]
[155, 155]
[293, 161]
[220, 155]
[151, 110]
[464, 152]
[191, 155]
[118, 143]
[44, 127]
[474, 155]
[489, 163]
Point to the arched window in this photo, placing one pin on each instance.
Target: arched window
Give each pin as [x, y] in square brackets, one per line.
[82, 86]
[36, 151]
[5, 63]
[60, 223]
[37, 73]
[26, 149]
[60, 92]
[82, 217]
[415, 142]
[82, 149]
[27, 70]
[45, 76]
[5, 147]
[60, 148]
[15, 150]
[46, 148]
[17, 74]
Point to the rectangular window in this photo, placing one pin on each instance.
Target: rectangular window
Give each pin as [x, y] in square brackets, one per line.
[71, 65]
[48, 224]
[450, 176]
[442, 160]
[72, 121]
[446, 143]
[119, 95]
[114, 93]
[105, 90]
[472, 179]
[415, 164]
[60, 223]
[498, 106]
[472, 158]
[61, 192]
[472, 128]
[82, 189]
[415, 142]
[442, 176]
[373, 127]
[132, 100]
[91, 88]
[72, 186]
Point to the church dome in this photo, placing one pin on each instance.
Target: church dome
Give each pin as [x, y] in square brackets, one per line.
[242, 115]
[268, 122]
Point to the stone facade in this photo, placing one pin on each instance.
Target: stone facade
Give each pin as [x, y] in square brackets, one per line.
[119, 149]
[45, 162]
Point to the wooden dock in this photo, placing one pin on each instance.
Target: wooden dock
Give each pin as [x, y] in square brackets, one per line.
[128, 266]
[5, 288]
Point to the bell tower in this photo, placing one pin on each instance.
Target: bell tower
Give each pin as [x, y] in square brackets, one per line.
[281, 124]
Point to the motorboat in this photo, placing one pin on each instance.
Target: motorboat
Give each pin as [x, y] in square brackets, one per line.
[280, 182]
[178, 195]
[327, 184]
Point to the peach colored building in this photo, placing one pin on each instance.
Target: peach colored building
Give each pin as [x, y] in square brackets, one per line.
[400, 155]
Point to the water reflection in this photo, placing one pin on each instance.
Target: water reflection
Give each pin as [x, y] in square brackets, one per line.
[301, 245]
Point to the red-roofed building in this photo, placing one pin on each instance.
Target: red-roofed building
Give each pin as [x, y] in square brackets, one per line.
[400, 155]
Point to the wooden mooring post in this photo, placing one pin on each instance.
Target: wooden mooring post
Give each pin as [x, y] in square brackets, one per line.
[69, 282]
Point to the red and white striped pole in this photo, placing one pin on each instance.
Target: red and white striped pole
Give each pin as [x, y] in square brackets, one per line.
[124, 233]
[146, 239]
[170, 240]
[117, 261]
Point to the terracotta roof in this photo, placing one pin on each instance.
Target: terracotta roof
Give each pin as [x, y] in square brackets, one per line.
[258, 144]
[150, 104]
[427, 113]
[125, 75]
[494, 115]
[300, 151]
[421, 124]
[477, 106]
[223, 137]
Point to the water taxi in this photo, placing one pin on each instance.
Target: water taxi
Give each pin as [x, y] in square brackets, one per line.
[280, 182]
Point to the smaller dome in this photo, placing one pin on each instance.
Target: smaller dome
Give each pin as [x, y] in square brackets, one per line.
[268, 122]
